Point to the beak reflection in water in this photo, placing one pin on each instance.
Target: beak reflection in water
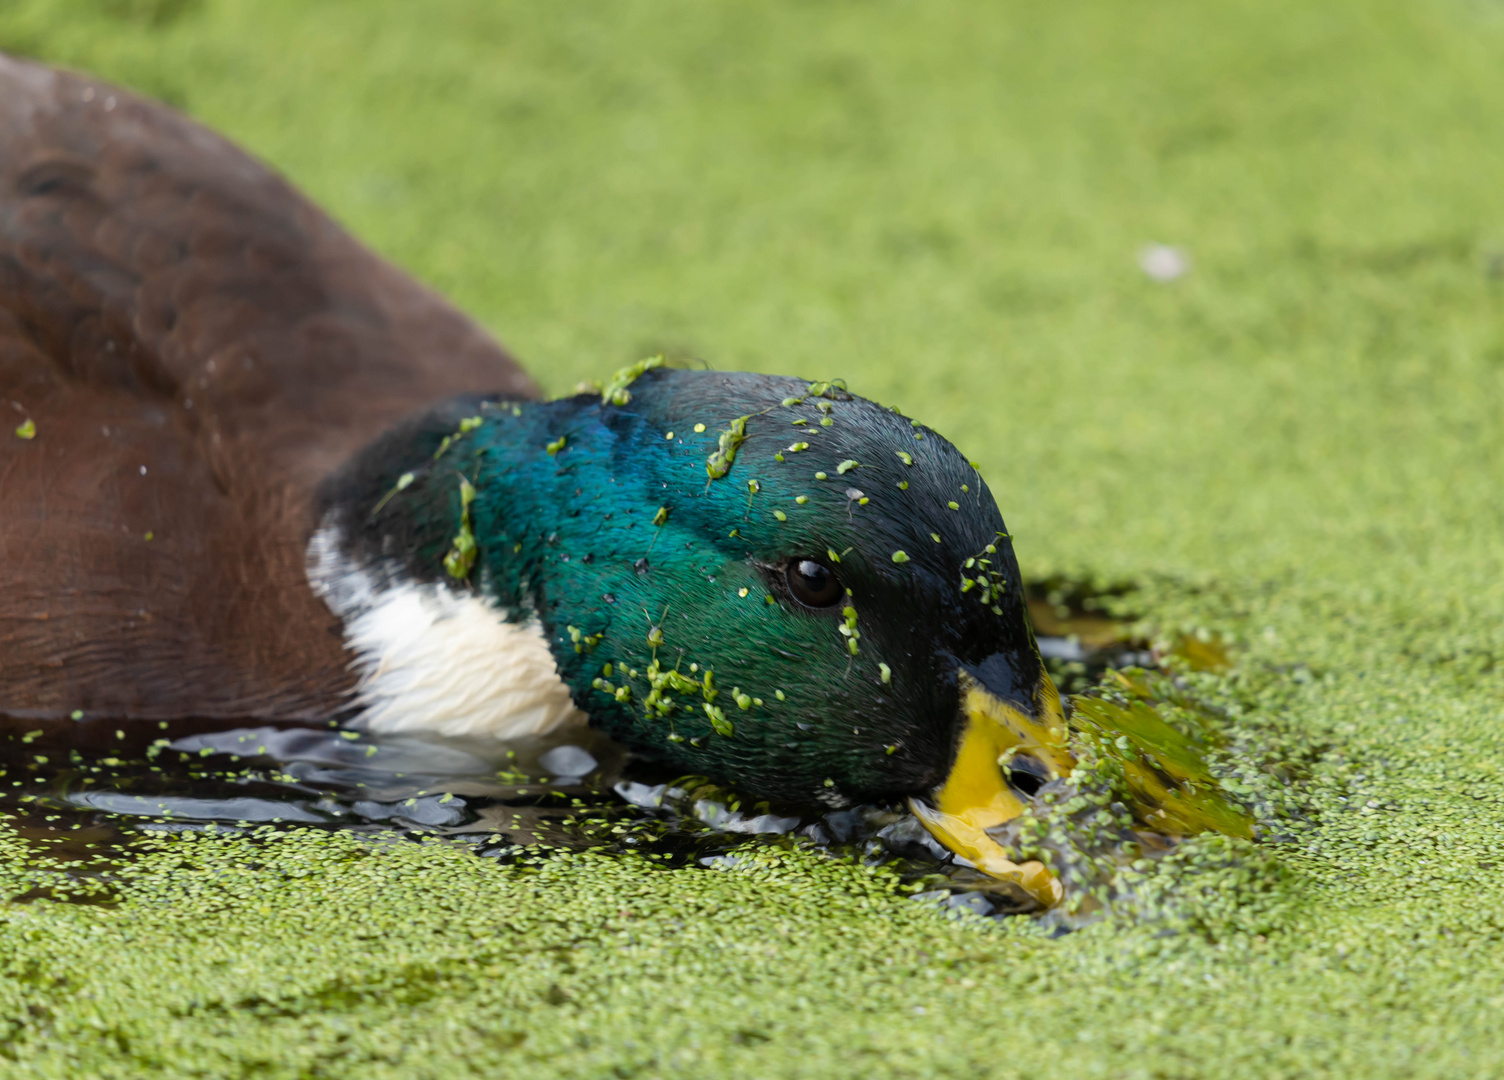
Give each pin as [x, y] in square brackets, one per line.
[1008, 749]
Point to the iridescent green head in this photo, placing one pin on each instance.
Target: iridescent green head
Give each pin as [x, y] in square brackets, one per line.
[765, 580]
[799, 582]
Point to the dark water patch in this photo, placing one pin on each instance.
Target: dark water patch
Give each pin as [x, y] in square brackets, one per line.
[81, 813]
[1084, 631]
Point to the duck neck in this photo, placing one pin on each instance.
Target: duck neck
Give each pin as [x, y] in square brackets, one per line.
[458, 552]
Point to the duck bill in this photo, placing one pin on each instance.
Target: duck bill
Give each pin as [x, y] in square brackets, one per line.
[976, 796]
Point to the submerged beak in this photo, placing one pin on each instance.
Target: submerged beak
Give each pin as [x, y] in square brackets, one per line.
[976, 796]
[1168, 785]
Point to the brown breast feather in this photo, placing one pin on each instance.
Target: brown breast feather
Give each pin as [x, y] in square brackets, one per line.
[167, 302]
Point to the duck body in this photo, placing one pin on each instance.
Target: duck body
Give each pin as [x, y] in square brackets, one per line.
[260, 475]
[196, 347]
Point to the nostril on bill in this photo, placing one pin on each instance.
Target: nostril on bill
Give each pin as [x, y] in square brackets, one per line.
[1026, 775]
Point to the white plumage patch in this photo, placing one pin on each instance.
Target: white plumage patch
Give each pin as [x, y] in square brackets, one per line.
[439, 660]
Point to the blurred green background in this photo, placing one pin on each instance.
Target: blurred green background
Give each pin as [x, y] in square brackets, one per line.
[944, 204]
[1297, 444]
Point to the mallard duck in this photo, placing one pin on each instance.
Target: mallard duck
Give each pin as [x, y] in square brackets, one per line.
[256, 473]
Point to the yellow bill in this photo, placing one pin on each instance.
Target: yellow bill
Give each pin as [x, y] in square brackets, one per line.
[976, 796]
[1169, 787]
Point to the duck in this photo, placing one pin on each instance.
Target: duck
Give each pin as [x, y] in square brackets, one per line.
[256, 473]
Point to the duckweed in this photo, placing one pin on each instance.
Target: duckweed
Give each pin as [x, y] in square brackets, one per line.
[462, 553]
[719, 463]
[616, 391]
[718, 720]
[1334, 530]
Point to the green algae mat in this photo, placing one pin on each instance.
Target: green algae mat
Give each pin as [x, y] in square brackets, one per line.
[1284, 443]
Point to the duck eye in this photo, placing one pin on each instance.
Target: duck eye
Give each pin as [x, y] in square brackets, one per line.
[813, 585]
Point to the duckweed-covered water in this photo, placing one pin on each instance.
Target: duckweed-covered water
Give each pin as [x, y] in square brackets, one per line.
[1291, 451]
[86, 793]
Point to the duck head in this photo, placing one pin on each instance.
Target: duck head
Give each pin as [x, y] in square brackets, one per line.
[763, 580]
